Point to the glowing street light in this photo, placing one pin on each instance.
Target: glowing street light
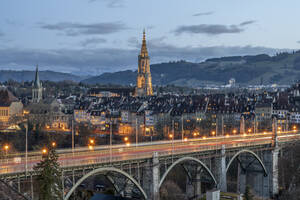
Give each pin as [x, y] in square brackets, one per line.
[249, 130]
[213, 132]
[127, 144]
[53, 144]
[126, 139]
[92, 141]
[170, 136]
[185, 139]
[234, 131]
[227, 135]
[91, 147]
[6, 147]
[44, 151]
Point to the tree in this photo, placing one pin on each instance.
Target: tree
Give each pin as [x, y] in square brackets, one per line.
[49, 174]
[248, 193]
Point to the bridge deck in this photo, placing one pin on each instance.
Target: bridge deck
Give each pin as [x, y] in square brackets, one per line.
[16, 163]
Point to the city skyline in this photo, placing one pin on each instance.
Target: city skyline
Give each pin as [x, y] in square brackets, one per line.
[105, 36]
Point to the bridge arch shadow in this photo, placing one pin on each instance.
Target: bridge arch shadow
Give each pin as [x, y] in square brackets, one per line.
[243, 171]
[245, 151]
[182, 160]
[103, 170]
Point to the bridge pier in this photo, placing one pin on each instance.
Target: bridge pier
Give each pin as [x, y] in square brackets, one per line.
[198, 182]
[222, 178]
[151, 177]
[156, 176]
[274, 171]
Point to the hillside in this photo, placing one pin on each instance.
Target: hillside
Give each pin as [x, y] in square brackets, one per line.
[283, 68]
[20, 76]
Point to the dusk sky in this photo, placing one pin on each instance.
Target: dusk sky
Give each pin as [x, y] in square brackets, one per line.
[96, 36]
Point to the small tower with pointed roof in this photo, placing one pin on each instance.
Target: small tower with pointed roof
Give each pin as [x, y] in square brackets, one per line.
[37, 88]
[144, 80]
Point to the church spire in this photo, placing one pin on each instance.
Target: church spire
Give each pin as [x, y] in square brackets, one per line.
[37, 77]
[144, 51]
[37, 89]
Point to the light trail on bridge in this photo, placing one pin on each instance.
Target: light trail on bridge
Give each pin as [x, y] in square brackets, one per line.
[15, 163]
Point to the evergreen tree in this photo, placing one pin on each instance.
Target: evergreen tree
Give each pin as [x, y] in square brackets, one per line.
[248, 193]
[49, 176]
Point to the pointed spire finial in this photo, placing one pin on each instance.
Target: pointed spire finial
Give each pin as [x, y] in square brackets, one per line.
[144, 34]
[37, 77]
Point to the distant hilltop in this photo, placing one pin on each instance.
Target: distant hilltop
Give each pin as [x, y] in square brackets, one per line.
[282, 68]
[21, 76]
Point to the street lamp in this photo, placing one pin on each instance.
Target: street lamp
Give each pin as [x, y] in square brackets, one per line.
[213, 133]
[53, 144]
[6, 147]
[44, 151]
[110, 141]
[91, 147]
[125, 139]
[92, 141]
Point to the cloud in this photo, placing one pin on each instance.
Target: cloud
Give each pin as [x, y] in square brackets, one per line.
[212, 29]
[98, 60]
[112, 3]
[76, 29]
[92, 42]
[162, 52]
[203, 14]
[247, 22]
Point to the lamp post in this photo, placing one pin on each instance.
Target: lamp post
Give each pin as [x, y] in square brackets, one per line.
[73, 137]
[182, 132]
[26, 148]
[110, 142]
[6, 147]
[173, 135]
[136, 132]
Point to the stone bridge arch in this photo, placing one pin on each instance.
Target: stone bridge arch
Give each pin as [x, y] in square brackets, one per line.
[249, 152]
[103, 170]
[181, 160]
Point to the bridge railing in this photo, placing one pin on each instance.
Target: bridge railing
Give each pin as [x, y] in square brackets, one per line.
[140, 152]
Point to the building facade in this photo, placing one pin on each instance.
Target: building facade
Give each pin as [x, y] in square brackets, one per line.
[9, 106]
[144, 80]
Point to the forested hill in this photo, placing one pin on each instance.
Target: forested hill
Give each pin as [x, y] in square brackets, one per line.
[283, 68]
[20, 76]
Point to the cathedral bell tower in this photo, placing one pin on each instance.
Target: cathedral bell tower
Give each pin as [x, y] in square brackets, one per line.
[144, 80]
